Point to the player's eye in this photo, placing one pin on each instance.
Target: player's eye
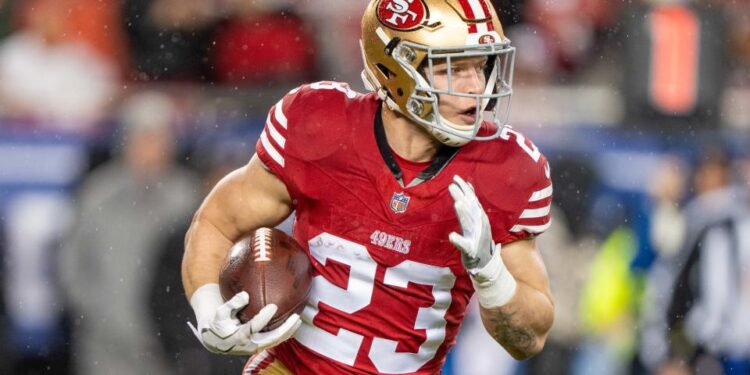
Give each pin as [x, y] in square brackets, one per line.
[440, 70]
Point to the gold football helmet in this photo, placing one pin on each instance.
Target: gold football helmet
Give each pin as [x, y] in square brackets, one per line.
[403, 39]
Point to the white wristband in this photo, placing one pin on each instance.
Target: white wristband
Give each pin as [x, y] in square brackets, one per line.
[494, 284]
[205, 301]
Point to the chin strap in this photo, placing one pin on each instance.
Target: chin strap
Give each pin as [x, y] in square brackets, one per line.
[371, 85]
[387, 99]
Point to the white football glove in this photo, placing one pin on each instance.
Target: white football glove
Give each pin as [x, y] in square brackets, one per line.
[494, 284]
[220, 331]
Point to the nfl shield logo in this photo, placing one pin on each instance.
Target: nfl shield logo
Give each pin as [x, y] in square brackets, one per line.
[399, 202]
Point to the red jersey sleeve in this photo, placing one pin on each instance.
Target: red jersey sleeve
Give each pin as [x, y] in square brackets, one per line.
[303, 130]
[515, 188]
[304, 127]
[534, 216]
[272, 144]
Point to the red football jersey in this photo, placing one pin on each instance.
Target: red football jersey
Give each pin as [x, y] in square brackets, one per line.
[389, 290]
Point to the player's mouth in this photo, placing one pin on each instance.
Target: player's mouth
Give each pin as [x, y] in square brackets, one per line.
[469, 116]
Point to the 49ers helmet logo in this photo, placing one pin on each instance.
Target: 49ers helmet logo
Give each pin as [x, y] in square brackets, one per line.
[402, 15]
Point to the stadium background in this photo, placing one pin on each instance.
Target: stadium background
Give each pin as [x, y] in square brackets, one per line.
[641, 107]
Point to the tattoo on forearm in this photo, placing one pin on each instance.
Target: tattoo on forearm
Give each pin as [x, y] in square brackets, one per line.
[512, 333]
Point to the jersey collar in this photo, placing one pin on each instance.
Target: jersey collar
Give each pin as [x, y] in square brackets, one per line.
[444, 155]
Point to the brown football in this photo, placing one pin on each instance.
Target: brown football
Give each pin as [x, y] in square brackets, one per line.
[272, 268]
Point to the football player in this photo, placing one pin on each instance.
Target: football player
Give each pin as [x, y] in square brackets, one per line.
[409, 200]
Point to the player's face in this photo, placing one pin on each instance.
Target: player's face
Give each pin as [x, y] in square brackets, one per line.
[467, 76]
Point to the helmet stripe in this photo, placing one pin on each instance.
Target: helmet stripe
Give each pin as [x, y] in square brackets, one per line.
[469, 13]
[477, 10]
[487, 12]
[485, 8]
[482, 28]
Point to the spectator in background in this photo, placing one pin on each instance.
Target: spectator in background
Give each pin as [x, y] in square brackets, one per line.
[710, 304]
[571, 27]
[716, 200]
[96, 23]
[263, 42]
[170, 39]
[667, 224]
[37, 220]
[46, 77]
[608, 307]
[559, 37]
[125, 210]
[230, 41]
[90, 22]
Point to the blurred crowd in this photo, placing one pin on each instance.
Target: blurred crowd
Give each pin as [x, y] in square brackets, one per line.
[117, 117]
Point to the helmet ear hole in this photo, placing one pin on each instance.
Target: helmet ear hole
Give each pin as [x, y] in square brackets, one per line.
[399, 92]
[386, 72]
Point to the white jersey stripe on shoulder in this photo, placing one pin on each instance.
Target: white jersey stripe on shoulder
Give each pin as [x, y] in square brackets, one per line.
[541, 194]
[279, 114]
[538, 212]
[280, 140]
[531, 228]
[272, 152]
[255, 362]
